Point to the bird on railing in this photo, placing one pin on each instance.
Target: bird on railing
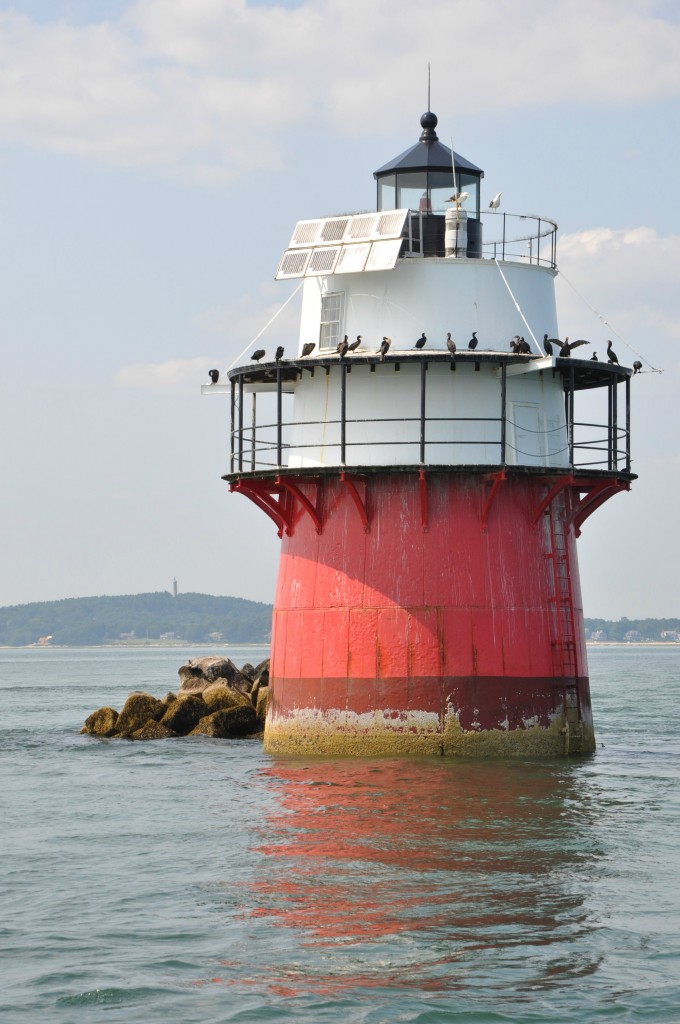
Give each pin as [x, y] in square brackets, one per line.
[214, 376]
[496, 201]
[279, 354]
[523, 347]
[548, 344]
[611, 354]
[594, 358]
[450, 344]
[308, 348]
[342, 347]
[258, 354]
[566, 346]
[458, 198]
[421, 341]
[637, 367]
[474, 341]
[384, 345]
[354, 345]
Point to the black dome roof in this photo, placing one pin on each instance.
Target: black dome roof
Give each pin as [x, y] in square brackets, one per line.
[428, 154]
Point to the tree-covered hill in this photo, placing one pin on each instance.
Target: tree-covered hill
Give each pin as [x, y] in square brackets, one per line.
[83, 621]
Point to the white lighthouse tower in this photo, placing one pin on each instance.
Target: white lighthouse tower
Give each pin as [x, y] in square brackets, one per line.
[428, 493]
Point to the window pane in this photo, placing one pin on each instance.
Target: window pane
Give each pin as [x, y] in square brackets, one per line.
[331, 319]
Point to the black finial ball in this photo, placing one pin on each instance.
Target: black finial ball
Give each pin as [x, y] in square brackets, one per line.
[429, 120]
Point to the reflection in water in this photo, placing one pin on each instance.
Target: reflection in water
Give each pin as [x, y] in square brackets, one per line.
[434, 875]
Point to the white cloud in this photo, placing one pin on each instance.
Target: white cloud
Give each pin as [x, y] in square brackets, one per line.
[214, 87]
[631, 278]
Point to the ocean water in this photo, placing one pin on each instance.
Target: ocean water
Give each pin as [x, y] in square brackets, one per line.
[199, 880]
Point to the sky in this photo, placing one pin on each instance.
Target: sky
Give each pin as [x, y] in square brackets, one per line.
[154, 158]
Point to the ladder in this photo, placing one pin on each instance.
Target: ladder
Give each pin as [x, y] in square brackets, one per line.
[562, 623]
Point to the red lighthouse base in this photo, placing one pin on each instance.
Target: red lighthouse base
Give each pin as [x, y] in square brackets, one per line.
[436, 614]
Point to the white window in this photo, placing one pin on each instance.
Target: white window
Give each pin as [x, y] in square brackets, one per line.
[331, 319]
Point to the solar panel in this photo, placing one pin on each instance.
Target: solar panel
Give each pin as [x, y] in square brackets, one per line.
[365, 241]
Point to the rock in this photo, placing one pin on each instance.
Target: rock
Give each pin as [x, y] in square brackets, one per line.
[262, 672]
[219, 696]
[228, 722]
[101, 722]
[152, 730]
[249, 671]
[184, 713]
[198, 673]
[137, 710]
[262, 703]
[169, 698]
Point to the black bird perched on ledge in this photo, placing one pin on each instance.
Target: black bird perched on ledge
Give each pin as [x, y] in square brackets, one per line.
[355, 344]
[279, 354]
[594, 358]
[214, 376]
[566, 346]
[258, 354]
[421, 341]
[308, 348]
[473, 342]
[384, 345]
[343, 346]
[611, 354]
[450, 344]
[637, 367]
[548, 344]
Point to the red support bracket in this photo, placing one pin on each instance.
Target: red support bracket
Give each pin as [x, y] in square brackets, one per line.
[278, 511]
[596, 496]
[496, 479]
[565, 481]
[422, 486]
[297, 495]
[356, 498]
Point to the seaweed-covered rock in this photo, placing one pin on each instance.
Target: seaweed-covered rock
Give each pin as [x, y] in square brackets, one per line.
[137, 710]
[262, 703]
[169, 698]
[152, 730]
[199, 673]
[228, 722]
[184, 713]
[249, 671]
[262, 672]
[219, 696]
[101, 722]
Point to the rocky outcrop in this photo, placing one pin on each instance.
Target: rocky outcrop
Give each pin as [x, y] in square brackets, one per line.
[101, 722]
[228, 723]
[199, 673]
[215, 699]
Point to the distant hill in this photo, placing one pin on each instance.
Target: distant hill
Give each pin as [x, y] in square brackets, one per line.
[633, 630]
[85, 621]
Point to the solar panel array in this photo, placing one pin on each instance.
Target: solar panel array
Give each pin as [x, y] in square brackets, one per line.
[344, 245]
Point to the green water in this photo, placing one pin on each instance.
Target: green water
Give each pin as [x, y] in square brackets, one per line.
[198, 880]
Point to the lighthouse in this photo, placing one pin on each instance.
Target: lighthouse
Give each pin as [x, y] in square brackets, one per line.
[428, 464]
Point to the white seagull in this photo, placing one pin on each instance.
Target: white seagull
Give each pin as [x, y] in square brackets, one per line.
[496, 201]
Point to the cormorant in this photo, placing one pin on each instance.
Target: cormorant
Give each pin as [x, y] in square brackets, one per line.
[214, 376]
[523, 346]
[496, 201]
[547, 344]
[637, 367]
[384, 345]
[594, 358]
[308, 348]
[421, 341]
[279, 354]
[258, 354]
[450, 344]
[566, 346]
[355, 344]
[472, 343]
[342, 347]
[611, 354]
